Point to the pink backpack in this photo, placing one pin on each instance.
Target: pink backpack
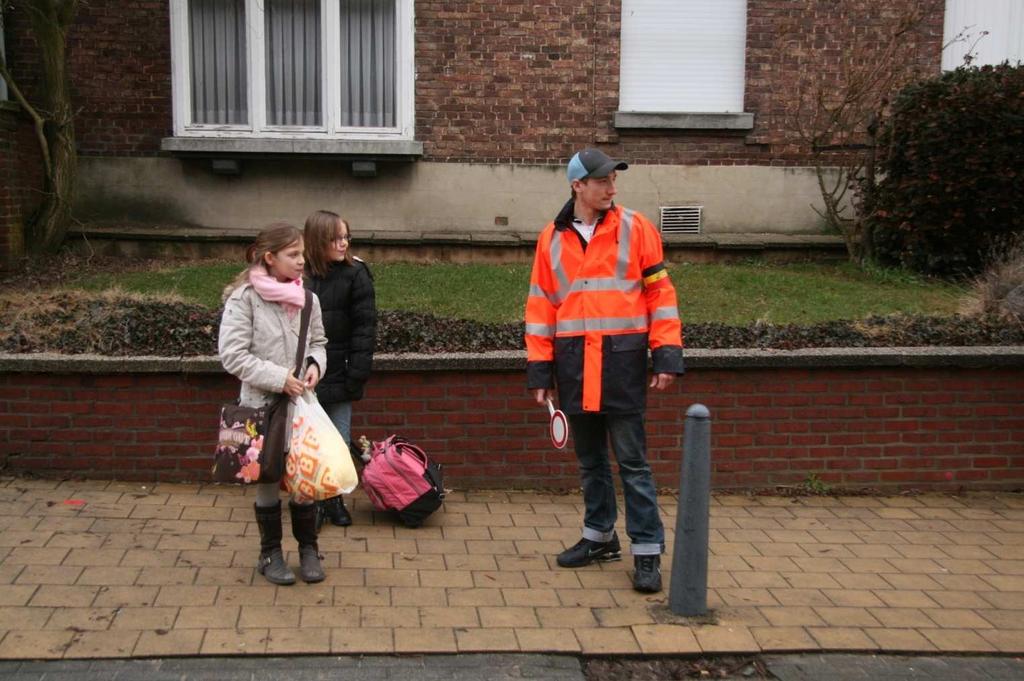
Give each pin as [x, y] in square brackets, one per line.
[399, 477]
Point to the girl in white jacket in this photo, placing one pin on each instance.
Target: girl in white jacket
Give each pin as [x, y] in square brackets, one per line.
[259, 332]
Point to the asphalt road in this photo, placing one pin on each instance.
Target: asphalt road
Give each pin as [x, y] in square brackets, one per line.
[495, 667]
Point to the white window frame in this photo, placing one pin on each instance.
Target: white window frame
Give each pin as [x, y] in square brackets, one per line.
[257, 127]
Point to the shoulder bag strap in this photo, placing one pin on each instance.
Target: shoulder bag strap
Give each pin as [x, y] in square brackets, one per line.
[300, 350]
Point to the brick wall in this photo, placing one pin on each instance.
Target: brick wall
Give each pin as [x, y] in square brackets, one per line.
[517, 81]
[504, 81]
[120, 66]
[121, 69]
[936, 428]
[10, 207]
[21, 175]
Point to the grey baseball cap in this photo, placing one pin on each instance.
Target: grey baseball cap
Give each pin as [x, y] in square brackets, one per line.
[592, 163]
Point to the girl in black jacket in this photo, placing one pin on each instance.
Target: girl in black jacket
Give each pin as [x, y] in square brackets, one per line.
[344, 286]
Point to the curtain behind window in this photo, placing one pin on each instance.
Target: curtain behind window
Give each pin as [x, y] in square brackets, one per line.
[217, 51]
[368, 63]
[293, 62]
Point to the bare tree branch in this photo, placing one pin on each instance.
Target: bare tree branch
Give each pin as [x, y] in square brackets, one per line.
[52, 115]
[38, 122]
[841, 90]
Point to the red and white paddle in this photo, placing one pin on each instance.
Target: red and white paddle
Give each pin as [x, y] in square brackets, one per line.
[558, 427]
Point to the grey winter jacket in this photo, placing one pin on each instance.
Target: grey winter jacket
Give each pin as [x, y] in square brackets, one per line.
[257, 344]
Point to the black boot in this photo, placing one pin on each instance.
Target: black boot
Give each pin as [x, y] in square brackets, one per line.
[271, 563]
[332, 509]
[304, 529]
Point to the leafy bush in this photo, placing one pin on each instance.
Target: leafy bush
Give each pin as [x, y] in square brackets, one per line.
[951, 187]
[109, 323]
[126, 325]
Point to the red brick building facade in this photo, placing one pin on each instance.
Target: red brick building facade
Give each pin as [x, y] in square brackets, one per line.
[509, 82]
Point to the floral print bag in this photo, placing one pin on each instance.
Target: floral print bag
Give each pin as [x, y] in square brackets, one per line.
[252, 443]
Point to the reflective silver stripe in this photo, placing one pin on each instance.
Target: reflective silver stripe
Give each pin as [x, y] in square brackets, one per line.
[616, 283]
[602, 324]
[625, 239]
[604, 284]
[557, 269]
[666, 312]
[538, 292]
[540, 330]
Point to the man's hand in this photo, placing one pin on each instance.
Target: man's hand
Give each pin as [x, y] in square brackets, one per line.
[662, 381]
[542, 395]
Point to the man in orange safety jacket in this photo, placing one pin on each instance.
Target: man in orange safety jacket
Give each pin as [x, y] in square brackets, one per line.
[599, 297]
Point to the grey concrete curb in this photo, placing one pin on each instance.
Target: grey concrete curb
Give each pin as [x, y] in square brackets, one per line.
[393, 237]
[824, 358]
[420, 667]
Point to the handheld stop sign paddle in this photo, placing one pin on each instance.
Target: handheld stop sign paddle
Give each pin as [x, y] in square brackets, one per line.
[558, 427]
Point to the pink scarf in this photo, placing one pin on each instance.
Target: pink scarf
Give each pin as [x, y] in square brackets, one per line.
[290, 294]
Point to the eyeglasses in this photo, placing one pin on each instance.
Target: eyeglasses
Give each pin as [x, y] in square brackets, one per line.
[346, 238]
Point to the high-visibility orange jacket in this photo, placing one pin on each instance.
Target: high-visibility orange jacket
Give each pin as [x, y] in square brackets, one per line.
[593, 310]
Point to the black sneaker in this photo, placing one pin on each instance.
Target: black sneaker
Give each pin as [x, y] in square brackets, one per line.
[586, 552]
[647, 574]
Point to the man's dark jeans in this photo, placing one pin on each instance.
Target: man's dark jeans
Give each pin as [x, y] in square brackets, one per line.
[591, 433]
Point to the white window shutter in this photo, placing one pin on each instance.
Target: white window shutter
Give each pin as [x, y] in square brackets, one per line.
[965, 22]
[683, 56]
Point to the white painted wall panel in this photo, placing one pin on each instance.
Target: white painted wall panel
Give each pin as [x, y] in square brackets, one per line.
[1004, 21]
[683, 55]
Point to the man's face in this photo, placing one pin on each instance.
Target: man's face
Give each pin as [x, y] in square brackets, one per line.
[596, 193]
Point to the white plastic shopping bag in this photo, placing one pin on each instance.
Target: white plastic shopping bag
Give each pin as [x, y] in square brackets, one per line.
[318, 465]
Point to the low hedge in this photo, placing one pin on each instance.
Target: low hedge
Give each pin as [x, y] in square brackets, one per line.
[124, 325]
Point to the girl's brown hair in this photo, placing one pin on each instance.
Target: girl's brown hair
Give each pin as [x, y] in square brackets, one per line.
[322, 227]
[271, 239]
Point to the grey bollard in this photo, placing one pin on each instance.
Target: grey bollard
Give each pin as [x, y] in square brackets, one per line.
[688, 592]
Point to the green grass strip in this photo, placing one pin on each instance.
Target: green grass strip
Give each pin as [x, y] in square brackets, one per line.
[727, 293]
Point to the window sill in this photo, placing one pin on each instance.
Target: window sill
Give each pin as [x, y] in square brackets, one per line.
[685, 121]
[377, 150]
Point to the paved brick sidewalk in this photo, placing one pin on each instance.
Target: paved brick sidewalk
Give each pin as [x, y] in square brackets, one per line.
[97, 570]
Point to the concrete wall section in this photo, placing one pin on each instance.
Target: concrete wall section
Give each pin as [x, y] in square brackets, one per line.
[425, 196]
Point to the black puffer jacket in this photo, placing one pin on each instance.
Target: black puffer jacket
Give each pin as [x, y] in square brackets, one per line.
[350, 321]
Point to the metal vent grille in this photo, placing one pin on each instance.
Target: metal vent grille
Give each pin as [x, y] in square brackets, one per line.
[681, 219]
